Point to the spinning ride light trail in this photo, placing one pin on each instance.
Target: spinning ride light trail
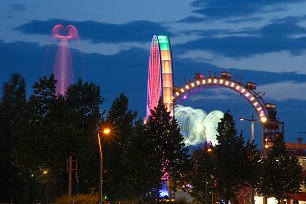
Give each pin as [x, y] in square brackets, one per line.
[196, 125]
[63, 59]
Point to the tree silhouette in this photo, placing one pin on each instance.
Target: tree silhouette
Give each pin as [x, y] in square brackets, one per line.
[170, 154]
[280, 172]
[234, 160]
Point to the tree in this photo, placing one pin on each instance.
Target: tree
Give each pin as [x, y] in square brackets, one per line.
[120, 119]
[202, 179]
[280, 173]
[51, 128]
[30, 128]
[253, 164]
[84, 99]
[170, 154]
[233, 160]
[138, 158]
[12, 102]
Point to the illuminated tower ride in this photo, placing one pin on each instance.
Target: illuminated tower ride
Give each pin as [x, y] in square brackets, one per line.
[63, 59]
[160, 79]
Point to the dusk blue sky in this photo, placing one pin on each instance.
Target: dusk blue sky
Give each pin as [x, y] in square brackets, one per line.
[262, 41]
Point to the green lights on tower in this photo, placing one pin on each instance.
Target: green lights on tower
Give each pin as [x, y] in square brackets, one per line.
[163, 42]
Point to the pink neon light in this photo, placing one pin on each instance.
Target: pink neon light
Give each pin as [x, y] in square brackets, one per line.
[63, 59]
[154, 77]
[160, 81]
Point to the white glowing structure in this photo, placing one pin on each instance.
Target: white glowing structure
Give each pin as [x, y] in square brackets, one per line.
[196, 125]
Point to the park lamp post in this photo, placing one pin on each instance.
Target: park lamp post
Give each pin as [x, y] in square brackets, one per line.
[104, 132]
[252, 120]
[45, 173]
[209, 150]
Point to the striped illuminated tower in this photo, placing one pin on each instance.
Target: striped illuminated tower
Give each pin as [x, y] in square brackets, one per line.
[160, 79]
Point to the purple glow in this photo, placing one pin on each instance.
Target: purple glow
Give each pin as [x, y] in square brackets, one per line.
[185, 97]
[63, 59]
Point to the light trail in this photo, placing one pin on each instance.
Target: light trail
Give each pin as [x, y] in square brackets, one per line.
[63, 59]
[196, 125]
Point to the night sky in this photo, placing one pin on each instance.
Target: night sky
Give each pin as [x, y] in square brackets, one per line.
[259, 41]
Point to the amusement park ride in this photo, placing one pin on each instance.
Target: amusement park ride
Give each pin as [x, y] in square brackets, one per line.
[63, 59]
[160, 85]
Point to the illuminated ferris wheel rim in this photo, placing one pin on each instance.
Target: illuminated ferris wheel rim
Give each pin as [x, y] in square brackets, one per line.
[244, 90]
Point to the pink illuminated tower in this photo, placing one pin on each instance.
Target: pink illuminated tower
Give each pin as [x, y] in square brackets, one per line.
[160, 79]
[63, 58]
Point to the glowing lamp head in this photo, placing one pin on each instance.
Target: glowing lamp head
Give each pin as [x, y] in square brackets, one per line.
[263, 119]
[209, 150]
[145, 121]
[45, 172]
[106, 131]
[242, 119]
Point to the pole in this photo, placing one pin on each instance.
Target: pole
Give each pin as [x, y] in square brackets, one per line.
[253, 195]
[253, 140]
[170, 194]
[263, 140]
[206, 190]
[47, 189]
[106, 131]
[101, 181]
[70, 179]
[252, 128]
[101, 171]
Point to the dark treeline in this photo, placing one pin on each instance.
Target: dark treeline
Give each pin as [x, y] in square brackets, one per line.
[38, 134]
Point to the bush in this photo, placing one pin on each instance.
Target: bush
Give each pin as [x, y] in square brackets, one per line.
[177, 201]
[78, 199]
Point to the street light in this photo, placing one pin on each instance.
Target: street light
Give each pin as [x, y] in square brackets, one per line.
[252, 125]
[209, 150]
[252, 120]
[105, 132]
[45, 173]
